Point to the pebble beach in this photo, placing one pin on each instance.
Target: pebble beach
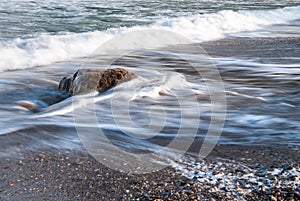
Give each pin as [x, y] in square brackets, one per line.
[229, 173]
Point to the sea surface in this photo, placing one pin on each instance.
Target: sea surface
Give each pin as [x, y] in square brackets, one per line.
[43, 41]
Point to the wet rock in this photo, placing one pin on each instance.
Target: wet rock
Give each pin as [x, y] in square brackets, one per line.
[89, 80]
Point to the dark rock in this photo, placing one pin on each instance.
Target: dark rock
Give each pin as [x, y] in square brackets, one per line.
[89, 80]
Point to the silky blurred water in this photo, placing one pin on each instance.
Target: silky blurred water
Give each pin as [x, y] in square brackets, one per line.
[262, 99]
[41, 42]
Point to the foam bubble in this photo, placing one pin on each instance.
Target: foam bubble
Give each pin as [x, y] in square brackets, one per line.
[226, 176]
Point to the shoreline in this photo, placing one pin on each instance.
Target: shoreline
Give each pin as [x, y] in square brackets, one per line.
[35, 167]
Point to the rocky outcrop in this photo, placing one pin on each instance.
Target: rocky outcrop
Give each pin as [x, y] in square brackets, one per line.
[89, 80]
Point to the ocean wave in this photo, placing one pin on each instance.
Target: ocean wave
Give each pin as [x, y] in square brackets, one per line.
[46, 49]
[214, 26]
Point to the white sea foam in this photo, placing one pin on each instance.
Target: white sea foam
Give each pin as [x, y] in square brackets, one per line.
[46, 49]
[221, 176]
[217, 25]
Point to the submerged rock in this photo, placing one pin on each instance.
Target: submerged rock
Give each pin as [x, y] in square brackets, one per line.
[28, 105]
[89, 80]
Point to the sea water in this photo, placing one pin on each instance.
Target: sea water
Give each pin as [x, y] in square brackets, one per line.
[43, 41]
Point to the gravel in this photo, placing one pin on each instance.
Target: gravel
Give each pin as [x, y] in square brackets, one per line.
[54, 174]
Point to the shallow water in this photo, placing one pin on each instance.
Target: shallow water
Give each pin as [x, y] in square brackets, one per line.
[148, 112]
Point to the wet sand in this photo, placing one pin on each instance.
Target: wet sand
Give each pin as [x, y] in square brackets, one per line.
[260, 47]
